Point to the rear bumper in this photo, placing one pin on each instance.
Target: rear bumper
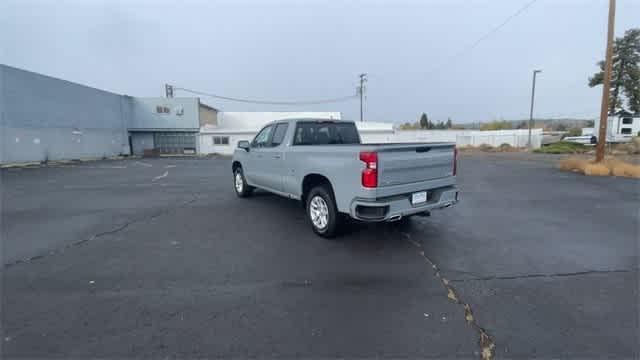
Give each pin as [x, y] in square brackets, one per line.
[398, 206]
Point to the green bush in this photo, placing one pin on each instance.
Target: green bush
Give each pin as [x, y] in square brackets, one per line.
[574, 132]
[563, 147]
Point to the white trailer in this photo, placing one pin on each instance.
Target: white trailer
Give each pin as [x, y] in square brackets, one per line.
[621, 127]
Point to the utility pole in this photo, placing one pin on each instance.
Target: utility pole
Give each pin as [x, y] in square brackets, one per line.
[363, 79]
[533, 94]
[606, 83]
[168, 91]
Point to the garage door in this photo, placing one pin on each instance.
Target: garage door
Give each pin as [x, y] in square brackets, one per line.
[175, 142]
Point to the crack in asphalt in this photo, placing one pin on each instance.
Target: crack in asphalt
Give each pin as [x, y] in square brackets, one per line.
[552, 275]
[485, 340]
[104, 233]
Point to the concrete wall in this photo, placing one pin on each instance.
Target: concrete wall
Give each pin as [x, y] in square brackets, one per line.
[183, 114]
[46, 118]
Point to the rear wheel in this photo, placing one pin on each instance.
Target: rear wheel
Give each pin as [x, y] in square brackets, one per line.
[240, 184]
[322, 212]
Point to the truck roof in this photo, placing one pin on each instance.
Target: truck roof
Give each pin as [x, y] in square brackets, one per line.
[291, 120]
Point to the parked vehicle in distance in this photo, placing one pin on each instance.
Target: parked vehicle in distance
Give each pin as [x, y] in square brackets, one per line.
[552, 137]
[323, 164]
[584, 139]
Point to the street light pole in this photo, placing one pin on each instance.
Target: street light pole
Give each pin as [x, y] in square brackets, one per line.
[363, 79]
[533, 94]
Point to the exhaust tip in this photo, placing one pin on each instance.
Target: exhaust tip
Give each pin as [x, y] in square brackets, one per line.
[395, 218]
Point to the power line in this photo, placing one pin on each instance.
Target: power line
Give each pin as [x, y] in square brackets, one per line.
[268, 102]
[483, 37]
[360, 89]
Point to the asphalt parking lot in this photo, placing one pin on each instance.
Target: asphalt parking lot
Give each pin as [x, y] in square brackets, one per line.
[158, 258]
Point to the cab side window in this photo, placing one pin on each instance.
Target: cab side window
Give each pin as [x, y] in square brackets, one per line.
[263, 138]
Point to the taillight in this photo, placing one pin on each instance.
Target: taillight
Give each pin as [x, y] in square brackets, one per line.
[370, 171]
[455, 160]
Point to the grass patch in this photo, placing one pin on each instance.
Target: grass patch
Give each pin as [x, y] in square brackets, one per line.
[630, 148]
[621, 168]
[573, 164]
[563, 147]
[596, 169]
[485, 147]
[608, 167]
[504, 147]
[466, 148]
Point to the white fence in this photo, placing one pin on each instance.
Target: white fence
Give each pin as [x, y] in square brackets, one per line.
[517, 138]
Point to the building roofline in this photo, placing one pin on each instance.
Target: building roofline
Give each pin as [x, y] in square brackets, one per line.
[60, 79]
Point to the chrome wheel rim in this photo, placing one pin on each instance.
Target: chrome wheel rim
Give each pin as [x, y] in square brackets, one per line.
[319, 212]
[239, 183]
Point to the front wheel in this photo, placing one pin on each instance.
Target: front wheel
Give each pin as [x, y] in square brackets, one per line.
[322, 212]
[240, 184]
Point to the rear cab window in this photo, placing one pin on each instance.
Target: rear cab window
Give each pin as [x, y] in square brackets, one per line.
[326, 133]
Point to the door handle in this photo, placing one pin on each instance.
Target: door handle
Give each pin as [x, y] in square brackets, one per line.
[277, 156]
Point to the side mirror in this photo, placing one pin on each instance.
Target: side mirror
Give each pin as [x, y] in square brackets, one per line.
[244, 145]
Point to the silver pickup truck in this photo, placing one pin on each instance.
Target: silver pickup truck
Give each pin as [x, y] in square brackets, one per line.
[324, 164]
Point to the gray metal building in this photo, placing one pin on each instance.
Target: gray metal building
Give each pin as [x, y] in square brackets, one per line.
[43, 118]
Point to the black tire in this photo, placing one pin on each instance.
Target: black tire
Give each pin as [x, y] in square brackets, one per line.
[333, 217]
[246, 190]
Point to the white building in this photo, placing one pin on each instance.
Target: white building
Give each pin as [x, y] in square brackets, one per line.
[235, 126]
[376, 132]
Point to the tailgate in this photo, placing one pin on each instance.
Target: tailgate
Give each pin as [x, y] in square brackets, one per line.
[403, 164]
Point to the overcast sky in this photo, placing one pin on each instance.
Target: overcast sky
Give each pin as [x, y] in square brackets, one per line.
[305, 50]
